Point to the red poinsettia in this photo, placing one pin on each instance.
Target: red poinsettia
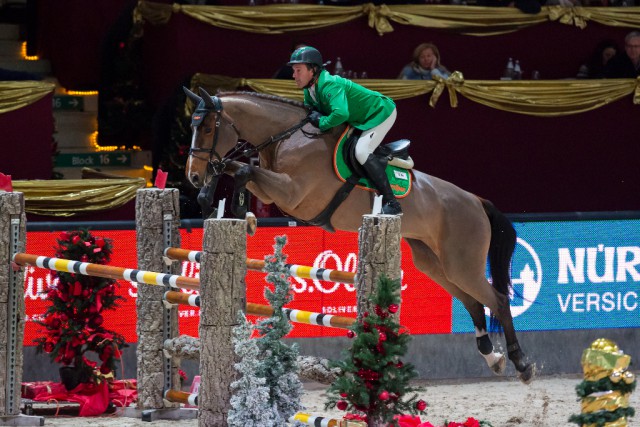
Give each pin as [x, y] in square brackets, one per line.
[73, 323]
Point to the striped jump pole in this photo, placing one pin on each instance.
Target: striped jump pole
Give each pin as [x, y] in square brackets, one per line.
[178, 396]
[107, 271]
[298, 316]
[312, 420]
[302, 271]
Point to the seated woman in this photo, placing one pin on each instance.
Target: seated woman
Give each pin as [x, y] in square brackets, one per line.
[425, 65]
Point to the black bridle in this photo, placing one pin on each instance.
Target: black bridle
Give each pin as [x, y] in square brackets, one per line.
[217, 164]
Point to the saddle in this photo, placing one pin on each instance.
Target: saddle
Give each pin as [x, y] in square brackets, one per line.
[396, 154]
[351, 173]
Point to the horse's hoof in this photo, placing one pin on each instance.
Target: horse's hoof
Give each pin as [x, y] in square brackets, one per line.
[499, 367]
[252, 223]
[528, 374]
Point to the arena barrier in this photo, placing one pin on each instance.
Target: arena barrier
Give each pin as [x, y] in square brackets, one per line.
[295, 270]
[299, 316]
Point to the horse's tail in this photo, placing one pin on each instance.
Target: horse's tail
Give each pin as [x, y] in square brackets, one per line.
[501, 247]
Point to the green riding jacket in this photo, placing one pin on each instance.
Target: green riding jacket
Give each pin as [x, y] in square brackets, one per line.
[343, 101]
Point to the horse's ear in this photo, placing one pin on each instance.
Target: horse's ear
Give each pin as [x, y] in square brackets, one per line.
[206, 98]
[192, 96]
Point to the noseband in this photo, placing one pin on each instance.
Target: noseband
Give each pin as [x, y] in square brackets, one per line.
[217, 164]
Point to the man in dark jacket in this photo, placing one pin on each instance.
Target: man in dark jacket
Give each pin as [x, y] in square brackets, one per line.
[626, 65]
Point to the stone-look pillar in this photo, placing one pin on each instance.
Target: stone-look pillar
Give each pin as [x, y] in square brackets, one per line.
[11, 303]
[378, 254]
[223, 268]
[156, 211]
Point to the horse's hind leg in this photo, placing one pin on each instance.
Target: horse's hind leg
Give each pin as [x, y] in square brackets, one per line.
[465, 266]
[526, 370]
[426, 261]
[495, 360]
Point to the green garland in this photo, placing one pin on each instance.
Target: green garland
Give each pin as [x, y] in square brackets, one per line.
[600, 418]
[585, 388]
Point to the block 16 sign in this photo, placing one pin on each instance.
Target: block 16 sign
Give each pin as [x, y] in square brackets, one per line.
[80, 160]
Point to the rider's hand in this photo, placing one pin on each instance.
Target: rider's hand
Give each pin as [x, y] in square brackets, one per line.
[314, 118]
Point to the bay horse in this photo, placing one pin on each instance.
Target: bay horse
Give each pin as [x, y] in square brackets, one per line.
[450, 231]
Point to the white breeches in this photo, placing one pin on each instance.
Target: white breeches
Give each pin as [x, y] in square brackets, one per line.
[371, 138]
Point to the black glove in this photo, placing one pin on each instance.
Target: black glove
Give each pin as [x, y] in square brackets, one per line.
[314, 118]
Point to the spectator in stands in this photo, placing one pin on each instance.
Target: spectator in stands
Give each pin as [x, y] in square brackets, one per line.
[626, 64]
[595, 66]
[286, 72]
[425, 65]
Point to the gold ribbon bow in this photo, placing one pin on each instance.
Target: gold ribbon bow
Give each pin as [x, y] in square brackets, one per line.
[176, 7]
[378, 17]
[455, 80]
[568, 15]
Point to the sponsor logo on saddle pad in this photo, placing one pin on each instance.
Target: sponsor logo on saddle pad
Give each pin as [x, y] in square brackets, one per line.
[572, 275]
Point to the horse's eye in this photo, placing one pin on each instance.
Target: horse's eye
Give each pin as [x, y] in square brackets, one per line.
[207, 130]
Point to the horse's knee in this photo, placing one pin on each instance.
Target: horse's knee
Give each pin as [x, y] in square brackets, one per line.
[242, 176]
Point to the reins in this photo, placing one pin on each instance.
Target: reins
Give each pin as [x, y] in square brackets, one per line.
[218, 165]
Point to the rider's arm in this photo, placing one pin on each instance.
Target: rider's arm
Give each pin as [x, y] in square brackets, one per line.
[336, 97]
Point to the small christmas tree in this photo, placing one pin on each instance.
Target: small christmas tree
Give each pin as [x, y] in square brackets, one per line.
[374, 379]
[73, 322]
[250, 403]
[279, 363]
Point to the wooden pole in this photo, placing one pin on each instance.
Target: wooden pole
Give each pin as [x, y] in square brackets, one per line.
[378, 254]
[223, 295]
[157, 227]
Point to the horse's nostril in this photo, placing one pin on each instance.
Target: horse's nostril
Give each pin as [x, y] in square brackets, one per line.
[195, 178]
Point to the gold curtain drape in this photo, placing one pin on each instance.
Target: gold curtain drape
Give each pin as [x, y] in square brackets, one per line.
[546, 98]
[472, 20]
[69, 197]
[15, 95]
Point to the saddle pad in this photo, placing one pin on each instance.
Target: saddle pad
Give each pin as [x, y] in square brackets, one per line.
[399, 178]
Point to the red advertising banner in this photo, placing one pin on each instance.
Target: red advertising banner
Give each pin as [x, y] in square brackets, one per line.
[426, 308]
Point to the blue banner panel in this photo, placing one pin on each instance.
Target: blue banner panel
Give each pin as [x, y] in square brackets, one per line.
[572, 275]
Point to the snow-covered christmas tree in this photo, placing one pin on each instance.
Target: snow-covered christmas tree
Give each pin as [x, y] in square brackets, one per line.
[279, 366]
[251, 405]
[274, 366]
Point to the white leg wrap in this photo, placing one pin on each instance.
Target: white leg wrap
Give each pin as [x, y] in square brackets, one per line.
[492, 358]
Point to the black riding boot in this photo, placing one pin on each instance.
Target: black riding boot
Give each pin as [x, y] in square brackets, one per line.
[375, 167]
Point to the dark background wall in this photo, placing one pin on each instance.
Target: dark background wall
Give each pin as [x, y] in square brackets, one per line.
[584, 162]
[26, 135]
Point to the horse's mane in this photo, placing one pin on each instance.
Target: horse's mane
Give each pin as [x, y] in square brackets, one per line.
[265, 96]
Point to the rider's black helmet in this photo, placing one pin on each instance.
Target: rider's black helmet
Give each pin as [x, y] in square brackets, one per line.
[306, 55]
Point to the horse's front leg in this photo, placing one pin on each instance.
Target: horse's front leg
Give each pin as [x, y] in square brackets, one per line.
[268, 186]
[240, 201]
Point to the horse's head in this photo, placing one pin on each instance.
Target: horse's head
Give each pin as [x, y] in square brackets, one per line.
[214, 134]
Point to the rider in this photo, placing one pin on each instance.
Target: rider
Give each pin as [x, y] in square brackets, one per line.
[336, 100]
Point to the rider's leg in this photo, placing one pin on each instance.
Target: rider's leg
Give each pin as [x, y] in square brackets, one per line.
[375, 166]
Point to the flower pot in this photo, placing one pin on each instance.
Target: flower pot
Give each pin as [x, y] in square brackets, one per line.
[72, 376]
